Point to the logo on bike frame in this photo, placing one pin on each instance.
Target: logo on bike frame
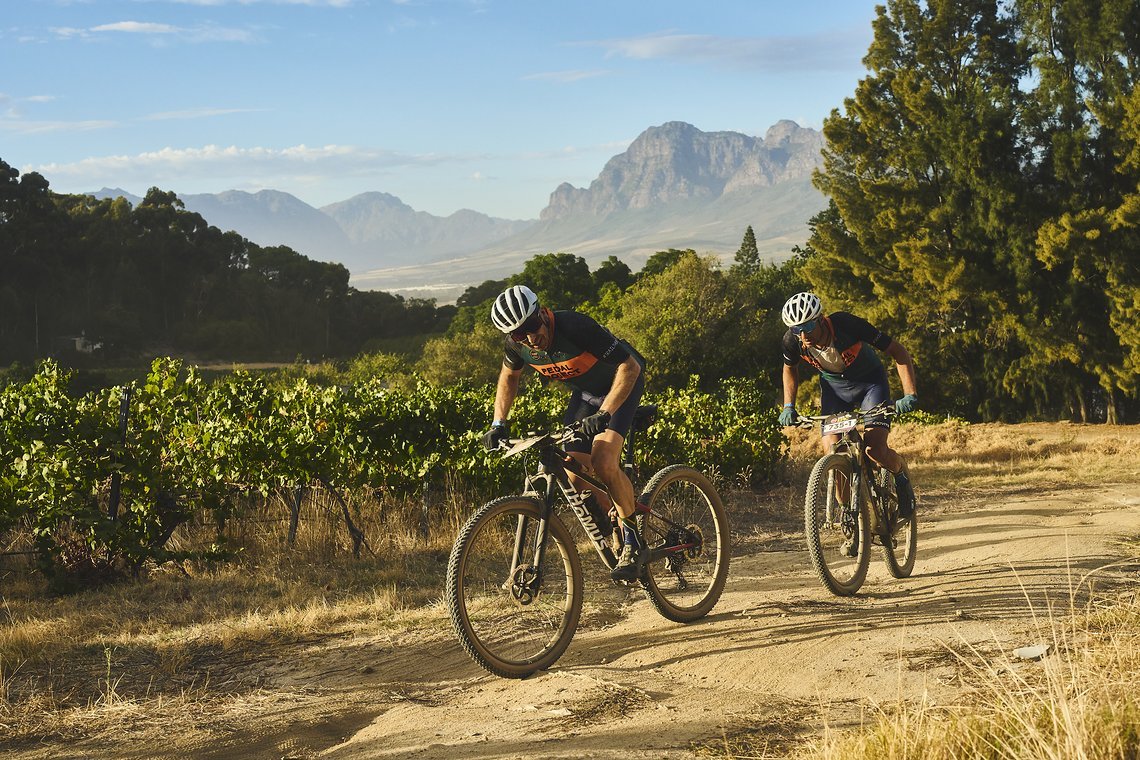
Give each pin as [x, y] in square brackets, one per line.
[578, 503]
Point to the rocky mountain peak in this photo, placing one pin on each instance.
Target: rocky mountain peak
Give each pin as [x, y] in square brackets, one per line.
[677, 162]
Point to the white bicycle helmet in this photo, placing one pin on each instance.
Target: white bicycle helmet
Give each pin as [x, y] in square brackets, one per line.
[513, 306]
[800, 308]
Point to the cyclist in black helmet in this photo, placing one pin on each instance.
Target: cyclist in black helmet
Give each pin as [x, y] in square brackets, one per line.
[851, 375]
[607, 377]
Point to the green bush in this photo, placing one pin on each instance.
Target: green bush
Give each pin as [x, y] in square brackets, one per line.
[731, 432]
[192, 445]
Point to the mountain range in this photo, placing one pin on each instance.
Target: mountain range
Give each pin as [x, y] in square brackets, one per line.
[674, 187]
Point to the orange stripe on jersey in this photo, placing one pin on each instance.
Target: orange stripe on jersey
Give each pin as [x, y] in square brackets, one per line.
[852, 352]
[579, 365]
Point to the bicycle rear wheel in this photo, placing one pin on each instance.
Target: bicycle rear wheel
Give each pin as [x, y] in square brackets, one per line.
[838, 537]
[687, 516]
[900, 548]
[514, 618]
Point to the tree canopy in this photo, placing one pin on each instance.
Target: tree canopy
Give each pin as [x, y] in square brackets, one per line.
[979, 188]
[159, 279]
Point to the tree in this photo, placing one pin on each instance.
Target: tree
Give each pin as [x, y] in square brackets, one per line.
[662, 260]
[612, 270]
[474, 357]
[1086, 132]
[924, 233]
[710, 327]
[747, 256]
[477, 294]
[561, 280]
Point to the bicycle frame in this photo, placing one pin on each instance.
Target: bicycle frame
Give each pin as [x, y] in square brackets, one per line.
[554, 470]
[851, 443]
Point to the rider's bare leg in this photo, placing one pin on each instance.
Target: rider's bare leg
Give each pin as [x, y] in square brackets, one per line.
[587, 466]
[842, 486]
[605, 462]
[606, 457]
[881, 453]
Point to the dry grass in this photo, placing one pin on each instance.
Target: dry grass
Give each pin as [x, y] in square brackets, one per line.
[1079, 701]
[181, 640]
[1010, 458]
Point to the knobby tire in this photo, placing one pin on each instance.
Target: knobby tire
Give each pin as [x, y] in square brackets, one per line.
[899, 551]
[841, 575]
[686, 586]
[507, 637]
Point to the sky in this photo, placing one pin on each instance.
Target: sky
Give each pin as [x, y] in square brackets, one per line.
[486, 105]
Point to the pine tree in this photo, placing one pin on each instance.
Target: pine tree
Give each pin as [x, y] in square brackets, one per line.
[747, 256]
[1087, 133]
[924, 235]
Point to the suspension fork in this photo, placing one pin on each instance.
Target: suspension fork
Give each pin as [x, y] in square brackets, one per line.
[539, 548]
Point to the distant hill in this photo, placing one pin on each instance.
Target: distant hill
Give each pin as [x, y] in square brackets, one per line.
[363, 232]
[382, 228]
[674, 187]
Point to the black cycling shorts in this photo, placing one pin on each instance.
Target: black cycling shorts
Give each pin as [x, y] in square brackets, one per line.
[583, 404]
[847, 395]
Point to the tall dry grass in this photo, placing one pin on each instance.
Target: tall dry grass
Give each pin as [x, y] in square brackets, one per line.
[181, 637]
[1079, 702]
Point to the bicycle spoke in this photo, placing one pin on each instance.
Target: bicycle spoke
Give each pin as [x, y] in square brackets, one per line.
[513, 617]
[686, 518]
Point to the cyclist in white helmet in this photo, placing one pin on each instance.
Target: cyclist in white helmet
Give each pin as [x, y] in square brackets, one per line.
[607, 377]
[851, 375]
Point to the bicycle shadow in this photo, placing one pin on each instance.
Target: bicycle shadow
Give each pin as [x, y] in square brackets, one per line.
[775, 601]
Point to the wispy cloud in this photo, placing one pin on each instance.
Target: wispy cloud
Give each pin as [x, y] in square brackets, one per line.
[197, 113]
[310, 3]
[820, 52]
[566, 76]
[13, 118]
[153, 31]
[14, 121]
[26, 127]
[225, 164]
[136, 27]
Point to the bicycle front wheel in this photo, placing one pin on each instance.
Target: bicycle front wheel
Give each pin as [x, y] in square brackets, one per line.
[515, 615]
[838, 535]
[900, 547]
[686, 519]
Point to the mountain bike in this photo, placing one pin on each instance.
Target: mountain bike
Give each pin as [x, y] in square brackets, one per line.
[514, 579]
[850, 504]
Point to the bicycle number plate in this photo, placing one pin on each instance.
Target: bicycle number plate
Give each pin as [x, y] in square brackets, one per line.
[839, 423]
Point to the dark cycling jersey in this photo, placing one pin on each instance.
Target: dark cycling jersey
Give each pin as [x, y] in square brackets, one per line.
[846, 358]
[583, 354]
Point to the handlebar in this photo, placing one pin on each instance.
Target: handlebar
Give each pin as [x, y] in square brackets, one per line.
[511, 446]
[809, 421]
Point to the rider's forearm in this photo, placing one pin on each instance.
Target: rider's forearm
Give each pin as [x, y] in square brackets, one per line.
[791, 384]
[506, 391]
[905, 366]
[908, 378]
[624, 380]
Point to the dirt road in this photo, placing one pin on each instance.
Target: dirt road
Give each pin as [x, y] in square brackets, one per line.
[775, 660]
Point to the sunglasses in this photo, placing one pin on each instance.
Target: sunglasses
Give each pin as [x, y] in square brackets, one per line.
[532, 325]
[806, 327]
